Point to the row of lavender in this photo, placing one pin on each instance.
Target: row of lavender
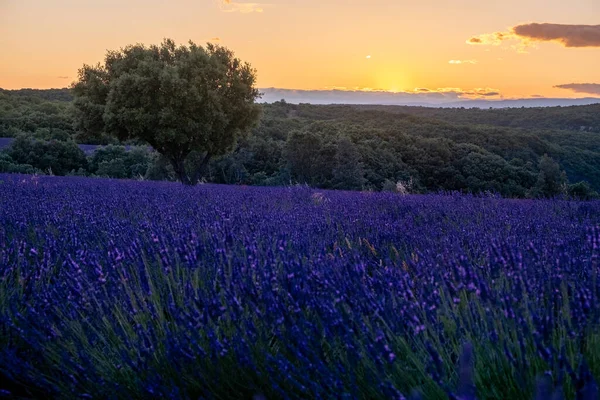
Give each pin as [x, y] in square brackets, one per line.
[116, 289]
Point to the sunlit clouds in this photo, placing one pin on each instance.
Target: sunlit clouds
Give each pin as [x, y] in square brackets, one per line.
[229, 6]
[458, 62]
[512, 40]
[460, 93]
[491, 39]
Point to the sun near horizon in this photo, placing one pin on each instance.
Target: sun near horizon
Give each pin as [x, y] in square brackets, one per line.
[493, 50]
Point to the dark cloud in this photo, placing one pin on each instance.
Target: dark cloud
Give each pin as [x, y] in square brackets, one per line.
[481, 93]
[568, 35]
[589, 88]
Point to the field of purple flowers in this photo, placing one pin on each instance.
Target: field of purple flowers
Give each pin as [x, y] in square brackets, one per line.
[121, 289]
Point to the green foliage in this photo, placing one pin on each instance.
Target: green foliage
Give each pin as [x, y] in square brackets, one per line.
[117, 162]
[582, 191]
[159, 169]
[348, 172]
[482, 171]
[342, 146]
[113, 168]
[54, 95]
[180, 100]
[52, 134]
[53, 156]
[551, 180]
[27, 110]
[106, 154]
[396, 147]
[573, 118]
[7, 164]
[389, 186]
[401, 132]
[302, 153]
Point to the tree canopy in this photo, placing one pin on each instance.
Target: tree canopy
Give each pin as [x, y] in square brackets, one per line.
[182, 100]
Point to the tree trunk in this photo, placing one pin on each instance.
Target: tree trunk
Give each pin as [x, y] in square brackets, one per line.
[179, 168]
[201, 169]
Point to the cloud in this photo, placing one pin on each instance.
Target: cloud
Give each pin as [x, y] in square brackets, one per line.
[63, 77]
[589, 88]
[229, 6]
[215, 39]
[480, 93]
[567, 35]
[457, 62]
[493, 39]
[525, 34]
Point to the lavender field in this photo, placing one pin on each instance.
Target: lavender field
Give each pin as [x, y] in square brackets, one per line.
[122, 289]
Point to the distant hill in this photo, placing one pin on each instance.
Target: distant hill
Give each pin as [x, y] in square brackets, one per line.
[63, 94]
[573, 118]
[443, 100]
[445, 148]
[86, 148]
[419, 99]
[517, 103]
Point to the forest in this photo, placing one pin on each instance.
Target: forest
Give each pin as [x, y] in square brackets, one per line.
[514, 152]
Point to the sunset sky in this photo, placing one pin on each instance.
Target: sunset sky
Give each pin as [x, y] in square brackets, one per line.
[491, 49]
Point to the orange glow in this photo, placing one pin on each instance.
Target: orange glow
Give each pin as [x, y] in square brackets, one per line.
[392, 45]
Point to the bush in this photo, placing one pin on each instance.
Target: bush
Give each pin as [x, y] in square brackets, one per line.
[582, 191]
[117, 162]
[159, 169]
[389, 186]
[55, 156]
[113, 169]
[7, 164]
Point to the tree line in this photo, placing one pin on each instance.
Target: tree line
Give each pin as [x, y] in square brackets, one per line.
[152, 95]
[350, 147]
[344, 148]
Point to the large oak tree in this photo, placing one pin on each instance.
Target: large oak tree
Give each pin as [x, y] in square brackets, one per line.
[181, 100]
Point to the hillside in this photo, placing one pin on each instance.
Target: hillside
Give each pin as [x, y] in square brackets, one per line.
[575, 118]
[445, 153]
[370, 147]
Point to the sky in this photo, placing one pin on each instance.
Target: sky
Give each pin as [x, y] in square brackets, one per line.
[465, 49]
